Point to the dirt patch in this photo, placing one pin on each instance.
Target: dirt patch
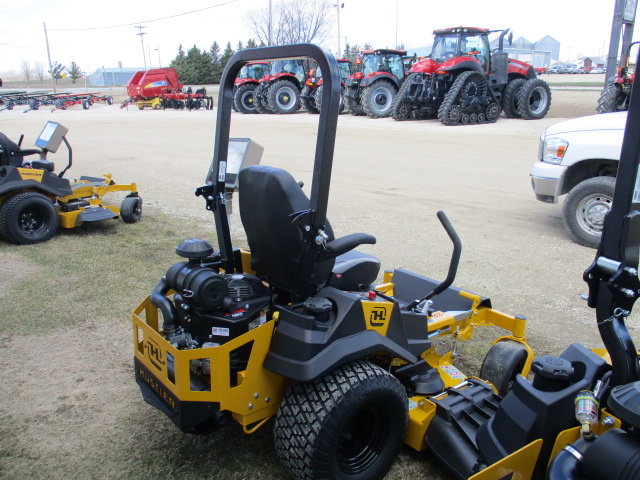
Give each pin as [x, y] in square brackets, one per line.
[14, 269]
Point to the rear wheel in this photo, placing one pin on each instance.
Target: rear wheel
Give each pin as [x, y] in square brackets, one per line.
[27, 218]
[510, 98]
[260, 98]
[378, 98]
[284, 97]
[244, 99]
[309, 99]
[612, 99]
[347, 425]
[534, 99]
[585, 207]
[502, 364]
[352, 99]
[131, 209]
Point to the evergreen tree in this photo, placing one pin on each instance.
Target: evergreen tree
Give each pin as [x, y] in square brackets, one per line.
[74, 72]
[226, 55]
[214, 54]
[251, 43]
[240, 46]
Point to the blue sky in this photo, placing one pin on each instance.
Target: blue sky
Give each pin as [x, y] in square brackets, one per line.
[583, 27]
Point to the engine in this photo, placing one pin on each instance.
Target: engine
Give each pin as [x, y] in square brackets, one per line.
[208, 308]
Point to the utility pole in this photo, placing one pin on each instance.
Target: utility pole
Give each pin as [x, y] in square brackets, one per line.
[159, 62]
[270, 24]
[141, 33]
[338, 7]
[46, 37]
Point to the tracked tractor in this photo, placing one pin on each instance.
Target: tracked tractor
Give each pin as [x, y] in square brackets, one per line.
[373, 88]
[615, 96]
[298, 327]
[246, 83]
[463, 82]
[311, 96]
[279, 91]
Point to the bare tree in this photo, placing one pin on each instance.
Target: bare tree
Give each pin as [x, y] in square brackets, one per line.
[39, 71]
[26, 71]
[293, 21]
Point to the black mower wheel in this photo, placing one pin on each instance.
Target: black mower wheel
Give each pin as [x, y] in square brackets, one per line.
[27, 218]
[502, 364]
[284, 97]
[244, 100]
[533, 99]
[109, 100]
[378, 98]
[86, 104]
[612, 99]
[347, 425]
[308, 99]
[510, 98]
[131, 209]
[585, 207]
[260, 98]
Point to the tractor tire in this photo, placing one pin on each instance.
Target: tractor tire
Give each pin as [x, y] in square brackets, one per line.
[308, 99]
[502, 364]
[33, 104]
[27, 218]
[468, 83]
[260, 99]
[533, 99]
[284, 97]
[612, 99]
[585, 207]
[378, 98]
[244, 100]
[346, 425]
[510, 98]
[131, 209]
[401, 109]
[354, 107]
[341, 106]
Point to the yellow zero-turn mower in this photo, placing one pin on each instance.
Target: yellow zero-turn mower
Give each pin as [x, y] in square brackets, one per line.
[293, 328]
[34, 200]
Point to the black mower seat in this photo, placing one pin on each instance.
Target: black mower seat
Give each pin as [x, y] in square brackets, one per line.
[355, 271]
[268, 198]
[11, 154]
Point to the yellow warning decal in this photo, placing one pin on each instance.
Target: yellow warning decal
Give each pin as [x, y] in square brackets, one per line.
[31, 174]
[377, 316]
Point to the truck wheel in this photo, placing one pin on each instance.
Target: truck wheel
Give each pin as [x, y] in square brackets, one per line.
[534, 99]
[585, 207]
[131, 209]
[378, 98]
[510, 98]
[612, 99]
[348, 424]
[502, 364]
[308, 99]
[244, 99]
[284, 97]
[27, 218]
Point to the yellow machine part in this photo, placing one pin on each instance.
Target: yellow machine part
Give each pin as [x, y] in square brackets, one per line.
[257, 392]
[155, 103]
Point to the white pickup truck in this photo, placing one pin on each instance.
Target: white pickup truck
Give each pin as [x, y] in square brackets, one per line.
[579, 157]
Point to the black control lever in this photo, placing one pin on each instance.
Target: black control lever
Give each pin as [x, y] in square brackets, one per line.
[453, 266]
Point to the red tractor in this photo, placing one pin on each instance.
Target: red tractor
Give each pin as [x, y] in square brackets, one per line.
[615, 97]
[463, 82]
[311, 95]
[279, 91]
[246, 83]
[371, 90]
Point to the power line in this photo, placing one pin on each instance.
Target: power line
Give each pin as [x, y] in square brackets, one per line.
[144, 21]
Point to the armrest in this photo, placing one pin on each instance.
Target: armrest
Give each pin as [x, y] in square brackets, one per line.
[23, 152]
[349, 242]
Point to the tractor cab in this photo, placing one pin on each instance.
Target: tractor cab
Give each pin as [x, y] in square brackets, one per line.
[254, 71]
[461, 42]
[293, 67]
[383, 60]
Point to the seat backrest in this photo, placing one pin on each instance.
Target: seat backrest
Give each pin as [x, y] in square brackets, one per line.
[8, 152]
[268, 196]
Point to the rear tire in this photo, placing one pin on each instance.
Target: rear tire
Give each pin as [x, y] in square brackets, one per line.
[510, 98]
[284, 97]
[27, 218]
[378, 98]
[612, 99]
[585, 207]
[308, 99]
[260, 98]
[244, 100]
[347, 425]
[502, 364]
[534, 99]
[353, 106]
[131, 209]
